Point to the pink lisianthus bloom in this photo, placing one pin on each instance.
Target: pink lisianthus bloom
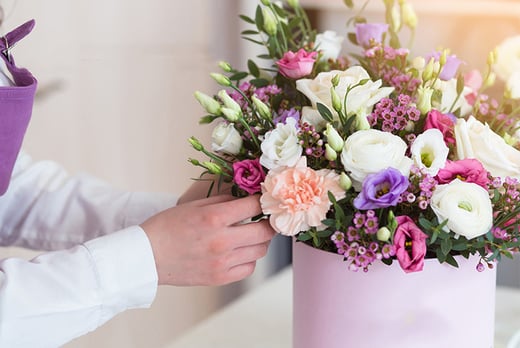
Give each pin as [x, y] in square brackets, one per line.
[449, 70]
[369, 34]
[296, 198]
[442, 122]
[410, 245]
[248, 175]
[297, 65]
[473, 80]
[469, 170]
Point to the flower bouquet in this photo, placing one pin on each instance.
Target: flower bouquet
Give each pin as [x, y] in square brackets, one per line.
[382, 160]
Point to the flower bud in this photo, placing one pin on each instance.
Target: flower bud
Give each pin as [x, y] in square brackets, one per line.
[362, 122]
[395, 19]
[225, 66]
[231, 115]
[383, 234]
[229, 102]
[270, 25]
[510, 140]
[333, 138]
[212, 167]
[196, 144]
[418, 63]
[344, 181]
[221, 79]
[443, 57]
[428, 70]
[194, 161]
[262, 108]
[335, 80]
[330, 153]
[266, 2]
[336, 101]
[424, 99]
[408, 15]
[490, 80]
[208, 103]
[293, 3]
[492, 57]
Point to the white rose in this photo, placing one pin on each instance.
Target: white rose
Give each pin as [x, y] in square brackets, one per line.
[281, 146]
[507, 58]
[449, 94]
[370, 151]
[360, 99]
[225, 138]
[329, 43]
[429, 151]
[465, 205]
[476, 140]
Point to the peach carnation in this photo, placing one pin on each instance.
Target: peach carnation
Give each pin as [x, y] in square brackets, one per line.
[296, 198]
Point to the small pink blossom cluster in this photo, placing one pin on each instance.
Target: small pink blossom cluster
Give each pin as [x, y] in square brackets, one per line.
[384, 61]
[393, 118]
[311, 141]
[249, 90]
[422, 183]
[361, 253]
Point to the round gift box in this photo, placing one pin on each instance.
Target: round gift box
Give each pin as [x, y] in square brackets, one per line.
[438, 307]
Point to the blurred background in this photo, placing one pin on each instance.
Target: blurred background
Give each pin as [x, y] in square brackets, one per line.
[115, 99]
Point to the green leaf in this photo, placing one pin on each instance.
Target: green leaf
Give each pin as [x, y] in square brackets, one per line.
[249, 32]
[258, 83]
[253, 68]
[264, 56]
[460, 84]
[446, 246]
[451, 260]
[254, 41]
[304, 236]
[247, 19]
[324, 233]
[238, 76]
[352, 38]
[259, 18]
[349, 3]
[324, 112]
[208, 119]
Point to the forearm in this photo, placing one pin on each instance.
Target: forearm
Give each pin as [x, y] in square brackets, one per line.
[75, 290]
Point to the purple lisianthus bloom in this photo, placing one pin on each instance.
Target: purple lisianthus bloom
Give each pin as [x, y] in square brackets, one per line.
[450, 68]
[369, 33]
[291, 113]
[381, 190]
[248, 175]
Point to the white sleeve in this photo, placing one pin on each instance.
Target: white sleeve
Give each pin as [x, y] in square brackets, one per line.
[47, 209]
[61, 295]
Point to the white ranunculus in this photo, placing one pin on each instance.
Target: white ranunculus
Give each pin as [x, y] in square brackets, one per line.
[476, 140]
[281, 146]
[360, 99]
[370, 151]
[329, 43]
[507, 58]
[465, 205]
[449, 94]
[429, 151]
[225, 138]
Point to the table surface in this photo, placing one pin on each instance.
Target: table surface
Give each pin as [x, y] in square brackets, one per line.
[263, 318]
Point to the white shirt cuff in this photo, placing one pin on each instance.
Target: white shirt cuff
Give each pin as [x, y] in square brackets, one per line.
[126, 271]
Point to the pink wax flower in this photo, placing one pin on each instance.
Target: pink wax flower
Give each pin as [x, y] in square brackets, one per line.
[296, 198]
[368, 34]
[443, 122]
[469, 170]
[410, 245]
[248, 175]
[297, 65]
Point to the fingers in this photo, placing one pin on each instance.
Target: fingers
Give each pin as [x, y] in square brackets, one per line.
[241, 209]
[252, 233]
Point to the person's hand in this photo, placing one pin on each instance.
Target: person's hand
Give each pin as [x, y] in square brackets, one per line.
[203, 242]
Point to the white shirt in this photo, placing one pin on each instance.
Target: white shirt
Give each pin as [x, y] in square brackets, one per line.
[103, 264]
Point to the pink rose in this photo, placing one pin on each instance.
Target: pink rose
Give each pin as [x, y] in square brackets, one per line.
[297, 65]
[469, 170]
[296, 198]
[444, 123]
[410, 245]
[248, 175]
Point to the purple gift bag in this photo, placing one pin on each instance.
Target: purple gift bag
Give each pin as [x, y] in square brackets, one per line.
[16, 104]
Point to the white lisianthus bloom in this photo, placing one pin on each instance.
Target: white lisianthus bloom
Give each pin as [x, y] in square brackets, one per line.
[281, 146]
[507, 58]
[360, 99]
[476, 140]
[429, 151]
[329, 43]
[370, 151]
[466, 206]
[450, 100]
[225, 138]
[513, 85]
